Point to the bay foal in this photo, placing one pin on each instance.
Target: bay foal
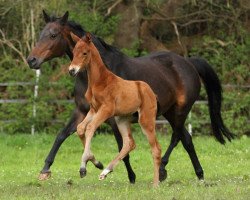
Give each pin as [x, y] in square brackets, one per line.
[108, 96]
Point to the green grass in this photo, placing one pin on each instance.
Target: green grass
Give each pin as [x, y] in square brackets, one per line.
[227, 170]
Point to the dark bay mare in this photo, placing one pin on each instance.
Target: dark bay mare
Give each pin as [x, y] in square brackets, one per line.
[175, 80]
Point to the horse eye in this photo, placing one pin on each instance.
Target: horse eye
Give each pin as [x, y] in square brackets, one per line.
[84, 53]
[53, 36]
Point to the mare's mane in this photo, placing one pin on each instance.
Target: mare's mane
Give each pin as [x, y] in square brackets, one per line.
[81, 32]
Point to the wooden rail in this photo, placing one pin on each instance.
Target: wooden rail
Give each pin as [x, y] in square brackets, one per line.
[23, 101]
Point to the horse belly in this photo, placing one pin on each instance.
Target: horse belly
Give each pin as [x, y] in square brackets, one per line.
[126, 104]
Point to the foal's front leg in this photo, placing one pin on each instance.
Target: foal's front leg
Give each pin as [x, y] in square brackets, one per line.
[98, 118]
[81, 133]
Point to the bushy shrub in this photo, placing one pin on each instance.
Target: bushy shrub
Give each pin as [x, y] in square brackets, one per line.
[230, 59]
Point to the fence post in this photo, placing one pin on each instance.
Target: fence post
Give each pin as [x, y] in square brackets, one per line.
[190, 124]
[38, 72]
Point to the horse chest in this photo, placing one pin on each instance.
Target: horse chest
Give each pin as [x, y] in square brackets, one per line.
[93, 100]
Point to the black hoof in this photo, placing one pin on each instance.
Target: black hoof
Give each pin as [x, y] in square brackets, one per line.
[162, 174]
[132, 177]
[200, 175]
[99, 165]
[83, 172]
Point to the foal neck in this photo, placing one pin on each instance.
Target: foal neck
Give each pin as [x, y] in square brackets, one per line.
[96, 70]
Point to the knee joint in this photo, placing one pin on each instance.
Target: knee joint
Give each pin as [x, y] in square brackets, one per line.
[80, 130]
[90, 127]
[132, 145]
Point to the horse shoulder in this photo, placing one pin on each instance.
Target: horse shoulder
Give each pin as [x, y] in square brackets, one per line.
[88, 95]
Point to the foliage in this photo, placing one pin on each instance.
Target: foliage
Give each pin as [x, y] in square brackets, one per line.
[230, 59]
[225, 167]
[221, 27]
[55, 86]
[135, 50]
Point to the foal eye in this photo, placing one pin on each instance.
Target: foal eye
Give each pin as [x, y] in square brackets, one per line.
[84, 53]
[53, 36]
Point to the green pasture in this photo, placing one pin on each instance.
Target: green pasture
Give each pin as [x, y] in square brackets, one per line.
[227, 170]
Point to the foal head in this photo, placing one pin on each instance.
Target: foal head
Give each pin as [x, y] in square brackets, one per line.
[52, 42]
[81, 53]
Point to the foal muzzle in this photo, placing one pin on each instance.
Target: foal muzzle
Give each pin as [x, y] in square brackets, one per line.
[73, 70]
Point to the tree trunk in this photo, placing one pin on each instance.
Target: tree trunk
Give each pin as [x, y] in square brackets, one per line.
[127, 34]
[151, 30]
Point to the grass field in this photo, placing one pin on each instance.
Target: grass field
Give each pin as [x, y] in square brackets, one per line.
[227, 170]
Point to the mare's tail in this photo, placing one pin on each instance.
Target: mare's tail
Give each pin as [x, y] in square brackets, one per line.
[214, 93]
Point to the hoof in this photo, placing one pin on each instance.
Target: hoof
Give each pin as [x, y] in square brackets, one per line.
[155, 185]
[83, 172]
[99, 165]
[44, 176]
[200, 175]
[102, 177]
[132, 177]
[104, 174]
[162, 174]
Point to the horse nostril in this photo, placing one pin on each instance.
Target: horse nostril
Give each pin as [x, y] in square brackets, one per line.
[31, 60]
[72, 72]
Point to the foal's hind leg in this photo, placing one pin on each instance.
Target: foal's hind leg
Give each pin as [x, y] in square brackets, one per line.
[147, 122]
[118, 137]
[128, 145]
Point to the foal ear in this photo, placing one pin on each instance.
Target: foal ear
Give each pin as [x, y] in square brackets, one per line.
[88, 37]
[46, 17]
[74, 37]
[64, 18]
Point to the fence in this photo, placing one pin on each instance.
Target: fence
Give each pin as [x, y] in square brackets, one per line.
[159, 121]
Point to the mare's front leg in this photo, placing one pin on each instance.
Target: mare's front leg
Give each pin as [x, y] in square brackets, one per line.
[97, 119]
[128, 145]
[76, 118]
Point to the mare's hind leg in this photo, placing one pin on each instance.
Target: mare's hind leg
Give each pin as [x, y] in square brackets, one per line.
[186, 140]
[123, 124]
[180, 133]
[174, 141]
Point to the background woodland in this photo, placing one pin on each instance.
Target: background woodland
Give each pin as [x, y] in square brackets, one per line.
[216, 30]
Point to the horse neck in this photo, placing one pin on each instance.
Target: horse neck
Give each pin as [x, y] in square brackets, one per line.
[97, 71]
[110, 58]
[70, 43]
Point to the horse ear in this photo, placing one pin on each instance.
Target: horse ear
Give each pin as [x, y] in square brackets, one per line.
[64, 18]
[74, 37]
[46, 17]
[88, 37]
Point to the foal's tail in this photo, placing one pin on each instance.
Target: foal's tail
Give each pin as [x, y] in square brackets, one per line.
[214, 92]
